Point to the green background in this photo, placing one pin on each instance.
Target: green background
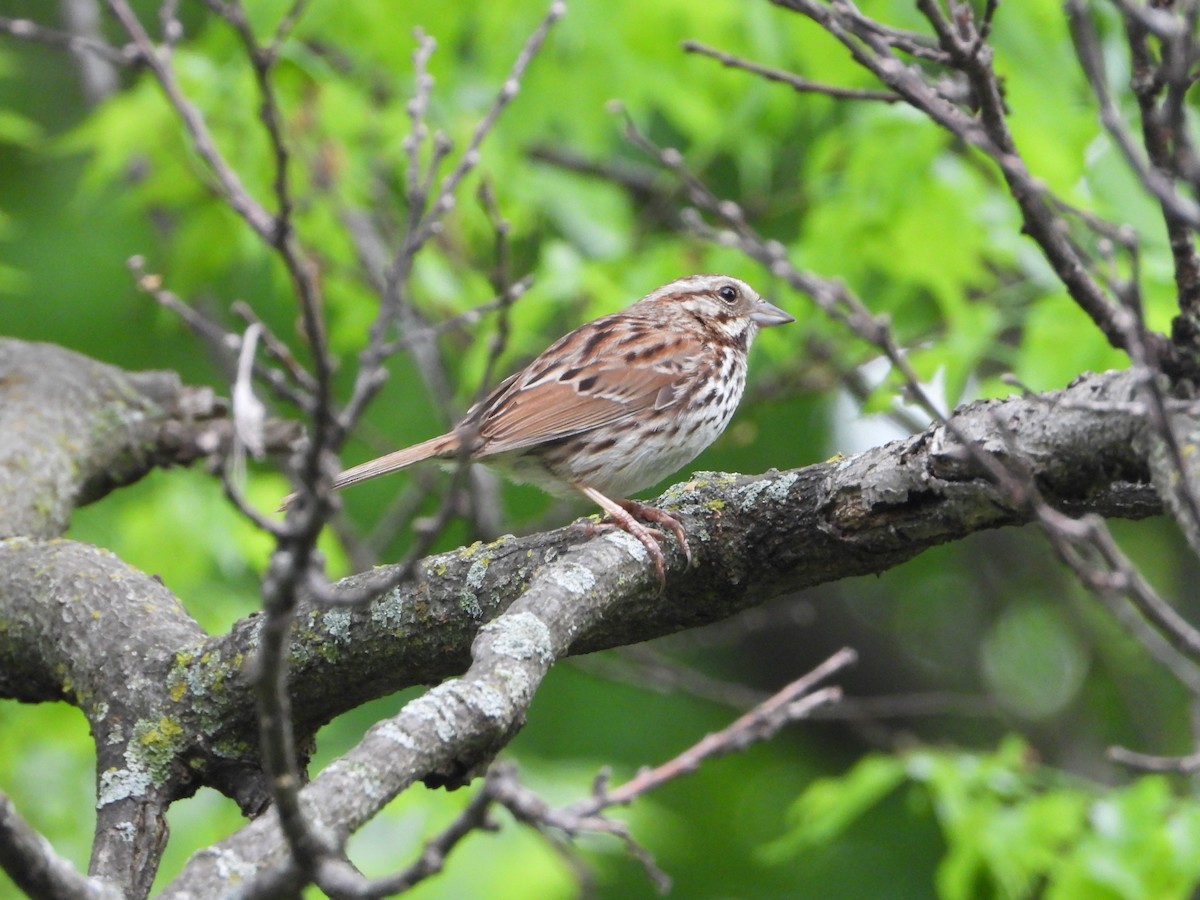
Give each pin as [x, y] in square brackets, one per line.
[1001, 787]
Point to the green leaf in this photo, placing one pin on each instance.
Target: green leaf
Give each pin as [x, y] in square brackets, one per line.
[831, 805]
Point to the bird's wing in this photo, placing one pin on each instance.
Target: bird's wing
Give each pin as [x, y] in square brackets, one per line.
[524, 414]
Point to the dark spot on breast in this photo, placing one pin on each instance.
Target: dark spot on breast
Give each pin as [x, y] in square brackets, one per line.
[606, 444]
[569, 374]
[586, 384]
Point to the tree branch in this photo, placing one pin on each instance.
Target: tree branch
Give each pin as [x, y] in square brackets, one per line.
[982, 125]
[759, 537]
[754, 538]
[35, 868]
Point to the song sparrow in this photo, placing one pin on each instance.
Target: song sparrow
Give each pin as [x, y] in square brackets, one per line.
[616, 405]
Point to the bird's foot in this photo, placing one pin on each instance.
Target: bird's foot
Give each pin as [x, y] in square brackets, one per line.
[624, 514]
[648, 513]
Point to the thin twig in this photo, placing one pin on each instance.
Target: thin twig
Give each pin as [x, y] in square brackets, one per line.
[1088, 549]
[649, 669]
[1166, 137]
[1155, 181]
[274, 347]
[284, 28]
[795, 82]
[978, 119]
[28, 30]
[225, 344]
[502, 284]
[172, 28]
[795, 701]
[433, 857]
[1157, 20]
[469, 158]
[283, 238]
[426, 213]
[1145, 762]
[230, 185]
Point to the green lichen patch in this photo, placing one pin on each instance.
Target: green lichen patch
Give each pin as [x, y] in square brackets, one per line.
[156, 744]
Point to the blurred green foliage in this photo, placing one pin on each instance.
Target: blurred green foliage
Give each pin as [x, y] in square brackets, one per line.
[869, 193]
[1015, 830]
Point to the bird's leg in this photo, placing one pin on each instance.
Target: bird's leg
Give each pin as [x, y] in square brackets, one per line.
[622, 515]
[648, 513]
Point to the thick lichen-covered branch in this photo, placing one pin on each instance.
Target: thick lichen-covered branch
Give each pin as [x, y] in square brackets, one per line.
[173, 708]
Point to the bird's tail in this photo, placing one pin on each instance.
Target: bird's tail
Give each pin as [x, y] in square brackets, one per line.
[443, 446]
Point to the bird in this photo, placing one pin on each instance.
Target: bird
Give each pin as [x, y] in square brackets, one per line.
[614, 406]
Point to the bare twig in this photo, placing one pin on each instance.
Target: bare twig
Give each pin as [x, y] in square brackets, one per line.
[285, 27]
[1145, 762]
[1175, 206]
[795, 82]
[426, 212]
[502, 284]
[172, 28]
[97, 74]
[1087, 547]
[469, 159]
[642, 181]
[1157, 20]
[647, 668]
[433, 856]
[283, 238]
[28, 30]
[230, 185]
[527, 807]
[795, 701]
[225, 344]
[986, 129]
[503, 300]
[1181, 214]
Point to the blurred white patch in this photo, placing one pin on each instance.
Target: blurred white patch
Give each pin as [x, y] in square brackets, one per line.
[249, 414]
[855, 431]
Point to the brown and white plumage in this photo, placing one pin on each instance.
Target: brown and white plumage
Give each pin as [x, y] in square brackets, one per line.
[616, 405]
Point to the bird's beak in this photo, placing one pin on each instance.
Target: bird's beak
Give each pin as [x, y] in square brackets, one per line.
[767, 314]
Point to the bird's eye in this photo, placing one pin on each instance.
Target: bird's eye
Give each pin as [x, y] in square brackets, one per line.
[728, 293]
